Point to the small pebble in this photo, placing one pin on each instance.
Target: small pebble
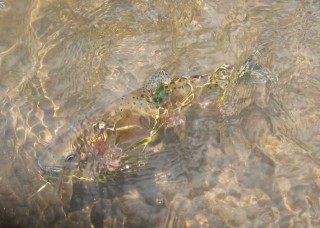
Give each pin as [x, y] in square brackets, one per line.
[160, 201]
[2, 5]
[102, 125]
[140, 164]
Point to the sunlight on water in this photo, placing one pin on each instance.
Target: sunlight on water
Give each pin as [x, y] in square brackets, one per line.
[242, 154]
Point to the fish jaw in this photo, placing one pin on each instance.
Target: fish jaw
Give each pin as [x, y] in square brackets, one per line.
[47, 167]
[49, 163]
[58, 156]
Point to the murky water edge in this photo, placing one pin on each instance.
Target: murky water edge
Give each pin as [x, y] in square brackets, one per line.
[60, 60]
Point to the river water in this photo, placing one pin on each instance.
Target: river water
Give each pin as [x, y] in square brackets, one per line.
[61, 59]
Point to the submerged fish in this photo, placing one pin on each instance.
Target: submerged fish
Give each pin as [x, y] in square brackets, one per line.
[108, 133]
[250, 86]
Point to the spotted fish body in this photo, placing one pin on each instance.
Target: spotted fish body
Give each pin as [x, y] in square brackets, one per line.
[111, 131]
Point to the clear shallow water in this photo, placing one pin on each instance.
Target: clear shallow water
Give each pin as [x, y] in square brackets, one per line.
[62, 59]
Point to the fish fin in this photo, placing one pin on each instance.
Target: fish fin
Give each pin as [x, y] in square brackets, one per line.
[160, 77]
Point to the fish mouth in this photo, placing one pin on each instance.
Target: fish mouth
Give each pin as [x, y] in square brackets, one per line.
[49, 168]
[53, 169]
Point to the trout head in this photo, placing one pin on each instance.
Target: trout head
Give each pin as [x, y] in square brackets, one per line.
[59, 155]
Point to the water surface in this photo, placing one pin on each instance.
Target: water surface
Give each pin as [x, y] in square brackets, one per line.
[258, 167]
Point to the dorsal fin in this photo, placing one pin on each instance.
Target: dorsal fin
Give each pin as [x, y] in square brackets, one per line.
[158, 78]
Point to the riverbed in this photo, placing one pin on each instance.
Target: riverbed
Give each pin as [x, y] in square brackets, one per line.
[255, 167]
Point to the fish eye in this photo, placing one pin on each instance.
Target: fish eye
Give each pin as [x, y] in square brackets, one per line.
[70, 157]
[71, 161]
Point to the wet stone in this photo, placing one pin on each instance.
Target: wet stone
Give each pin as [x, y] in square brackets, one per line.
[102, 125]
[3, 5]
[160, 202]
[100, 211]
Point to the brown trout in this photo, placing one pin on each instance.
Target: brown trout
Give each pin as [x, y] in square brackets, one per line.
[111, 131]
